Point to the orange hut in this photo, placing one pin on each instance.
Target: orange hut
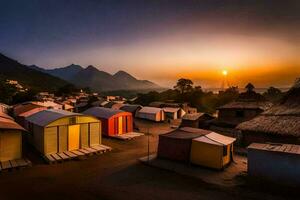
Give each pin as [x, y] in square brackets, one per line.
[114, 122]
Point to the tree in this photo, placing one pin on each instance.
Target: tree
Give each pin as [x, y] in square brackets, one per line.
[250, 87]
[273, 94]
[66, 90]
[184, 85]
[6, 92]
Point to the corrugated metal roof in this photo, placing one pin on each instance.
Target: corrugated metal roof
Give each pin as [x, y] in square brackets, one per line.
[283, 148]
[101, 112]
[45, 117]
[130, 108]
[9, 124]
[170, 109]
[225, 140]
[32, 111]
[150, 110]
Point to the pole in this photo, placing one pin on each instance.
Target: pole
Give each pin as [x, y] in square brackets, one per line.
[148, 145]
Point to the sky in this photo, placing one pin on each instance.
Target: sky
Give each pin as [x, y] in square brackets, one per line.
[256, 41]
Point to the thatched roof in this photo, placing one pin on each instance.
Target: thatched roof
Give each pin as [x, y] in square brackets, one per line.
[192, 116]
[282, 119]
[249, 105]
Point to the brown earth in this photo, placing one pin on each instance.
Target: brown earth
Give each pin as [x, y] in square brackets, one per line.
[119, 175]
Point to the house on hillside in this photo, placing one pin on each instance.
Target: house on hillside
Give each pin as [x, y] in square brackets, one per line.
[151, 113]
[248, 105]
[280, 124]
[56, 131]
[114, 122]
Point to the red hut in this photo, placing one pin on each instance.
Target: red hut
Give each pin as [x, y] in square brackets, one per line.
[114, 122]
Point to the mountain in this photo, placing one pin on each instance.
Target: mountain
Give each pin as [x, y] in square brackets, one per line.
[66, 73]
[99, 80]
[28, 76]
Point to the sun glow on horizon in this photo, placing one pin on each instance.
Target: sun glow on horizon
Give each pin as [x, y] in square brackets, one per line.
[225, 72]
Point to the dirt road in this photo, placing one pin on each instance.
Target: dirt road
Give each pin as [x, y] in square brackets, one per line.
[114, 175]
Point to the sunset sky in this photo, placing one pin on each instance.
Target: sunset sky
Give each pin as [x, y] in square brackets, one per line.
[255, 40]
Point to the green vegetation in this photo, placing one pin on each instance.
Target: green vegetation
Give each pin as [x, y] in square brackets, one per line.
[10, 94]
[273, 94]
[29, 78]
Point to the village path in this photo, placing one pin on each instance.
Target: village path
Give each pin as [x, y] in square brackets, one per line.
[116, 175]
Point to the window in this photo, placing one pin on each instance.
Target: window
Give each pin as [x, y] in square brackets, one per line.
[239, 113]
[72, 120]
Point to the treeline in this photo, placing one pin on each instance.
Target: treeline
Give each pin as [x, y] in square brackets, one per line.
[185, 92]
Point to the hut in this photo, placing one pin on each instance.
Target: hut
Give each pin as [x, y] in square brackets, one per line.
[109, 104]
[53, 131]
[20, 118]
[114, 122]
[4, 108]
[278, 124]
[10, 139]
[212, 150]
[25, 107]
[173, 113]
[151, 113]
[196, 120]
[133, 109]
[176, 145]
[156, 104]
[248, 105]
[117, 106]
[279, 163]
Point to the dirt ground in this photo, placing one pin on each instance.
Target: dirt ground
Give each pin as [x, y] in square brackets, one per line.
[119, 175]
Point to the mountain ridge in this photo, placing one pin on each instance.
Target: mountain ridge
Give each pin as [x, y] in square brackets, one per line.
[29, 76]
[99, 80]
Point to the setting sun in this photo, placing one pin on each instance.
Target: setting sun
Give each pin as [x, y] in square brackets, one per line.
[225, 72]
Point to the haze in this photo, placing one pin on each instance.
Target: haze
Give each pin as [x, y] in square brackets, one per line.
[161, 41]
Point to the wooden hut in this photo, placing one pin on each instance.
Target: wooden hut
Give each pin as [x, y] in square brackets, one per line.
[53, 131]
[173, 113]
[280, 124]
[151, 113]
[133, 109]
[114, 122]
[248, 105]
[196, 120]
[176, 145]
[212, 150]
[279, 163]
[20, 118]
[25, 107]
[4, 108]
[117, 106]
[10, 139]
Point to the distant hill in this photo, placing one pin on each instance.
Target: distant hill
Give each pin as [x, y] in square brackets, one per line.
[30, 77]
[99, 80]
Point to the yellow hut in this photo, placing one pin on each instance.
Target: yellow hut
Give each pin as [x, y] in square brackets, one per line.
[212, 150]
[54, 131]
[10, 139]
